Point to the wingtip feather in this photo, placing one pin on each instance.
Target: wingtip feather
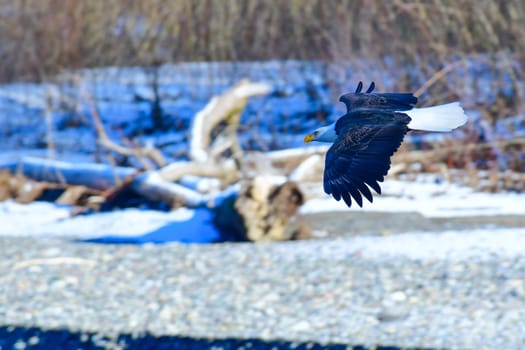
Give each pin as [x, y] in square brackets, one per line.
[359, 87]
[371, 87]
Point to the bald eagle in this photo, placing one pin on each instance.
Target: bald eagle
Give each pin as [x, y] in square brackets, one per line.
[369, 133]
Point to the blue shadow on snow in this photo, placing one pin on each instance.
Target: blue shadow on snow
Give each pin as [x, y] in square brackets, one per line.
[200, 228]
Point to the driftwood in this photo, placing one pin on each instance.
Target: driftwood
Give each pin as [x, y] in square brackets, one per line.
[158, 185]
[73, 195]
[96, 176]
[175, 171]
[258, 208]
[226, 108]
[104, 177]
[310, 169]
[143, 154]
[152, 186]
[295, 155]
[264, 210]
[20, 188]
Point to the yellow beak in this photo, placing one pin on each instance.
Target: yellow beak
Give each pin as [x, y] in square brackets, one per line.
[308, 138]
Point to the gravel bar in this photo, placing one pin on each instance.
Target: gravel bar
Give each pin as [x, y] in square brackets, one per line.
[324, 290]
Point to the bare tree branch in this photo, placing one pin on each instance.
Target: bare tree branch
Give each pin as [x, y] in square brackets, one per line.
[141, 153]
[226, 107]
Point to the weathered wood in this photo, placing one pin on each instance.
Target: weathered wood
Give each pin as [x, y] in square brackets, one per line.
[21, 188]
[73, 195]
[175, 171]
[267, 209]
[139, 152]
[96, 176]
[226, 107]
[264, 206]
[310, 169]
[150, 185]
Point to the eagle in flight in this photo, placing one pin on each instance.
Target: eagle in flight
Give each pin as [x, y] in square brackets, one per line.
[369, 133]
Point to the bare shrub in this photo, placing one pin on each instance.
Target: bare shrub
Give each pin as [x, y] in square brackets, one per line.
[39, 37]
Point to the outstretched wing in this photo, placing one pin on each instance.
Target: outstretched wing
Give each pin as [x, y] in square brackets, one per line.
[360, 157]
[369, 100]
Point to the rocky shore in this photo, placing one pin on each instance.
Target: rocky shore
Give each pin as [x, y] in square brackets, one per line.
[457, 289]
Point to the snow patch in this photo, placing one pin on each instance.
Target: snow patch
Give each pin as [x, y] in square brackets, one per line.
[430, 200]
[47, 219]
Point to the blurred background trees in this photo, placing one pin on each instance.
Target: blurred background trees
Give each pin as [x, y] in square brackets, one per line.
[39, 38]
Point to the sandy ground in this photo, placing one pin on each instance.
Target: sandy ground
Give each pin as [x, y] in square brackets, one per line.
[336, 224]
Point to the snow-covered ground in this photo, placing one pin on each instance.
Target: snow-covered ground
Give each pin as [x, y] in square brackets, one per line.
[431, 200]
[133, 225]
[42, 219]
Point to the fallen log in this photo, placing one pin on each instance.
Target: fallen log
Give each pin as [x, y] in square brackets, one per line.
[175, 171]
[95, 176]
[150, 184]
[104, 177]
[267, 209]
[310, 169]
[21, 188]
[144, 154]
[265, 205]
[227, 108]
[288, 160]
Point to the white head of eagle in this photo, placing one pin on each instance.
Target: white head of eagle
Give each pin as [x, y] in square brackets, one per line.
[369, 133]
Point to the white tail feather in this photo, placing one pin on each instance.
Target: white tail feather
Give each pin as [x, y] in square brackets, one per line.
[438, 118]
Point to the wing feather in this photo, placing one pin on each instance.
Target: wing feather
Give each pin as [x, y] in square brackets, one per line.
[347, 198]
[359, 88]
[374, 185]
[387, 102]
[360, 157]
[365, 191]
[371, 87]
